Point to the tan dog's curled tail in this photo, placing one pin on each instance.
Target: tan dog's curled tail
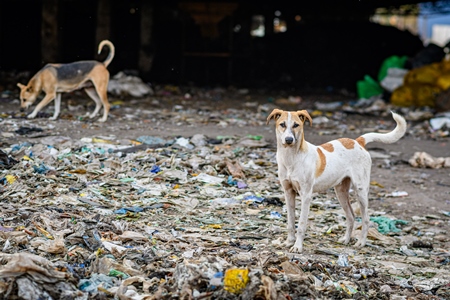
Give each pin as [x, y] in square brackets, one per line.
[111, 51]
[387, 138]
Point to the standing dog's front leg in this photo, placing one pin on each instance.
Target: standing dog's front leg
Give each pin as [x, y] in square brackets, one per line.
[48, 97]
[302, 222]
[57, 106]
[289, 195]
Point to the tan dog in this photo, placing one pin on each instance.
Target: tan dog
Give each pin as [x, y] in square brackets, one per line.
[304, 168]
[54, 79]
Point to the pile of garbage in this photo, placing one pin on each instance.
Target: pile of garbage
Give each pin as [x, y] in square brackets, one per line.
[419, 81]
[191, 218]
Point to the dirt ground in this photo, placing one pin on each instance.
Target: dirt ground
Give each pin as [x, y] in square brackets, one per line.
[220, 113]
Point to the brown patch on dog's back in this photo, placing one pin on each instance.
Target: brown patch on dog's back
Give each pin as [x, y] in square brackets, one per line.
[347, 143]
[321, 163]
[361, 141]
[328, 146]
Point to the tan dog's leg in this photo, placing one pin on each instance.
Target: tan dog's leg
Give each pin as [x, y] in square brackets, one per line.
[303, 221]
[289, 195]
[342, 193]
[48, 97]
[57, 106]
[106, 106]
[92, 93]
[101, 87]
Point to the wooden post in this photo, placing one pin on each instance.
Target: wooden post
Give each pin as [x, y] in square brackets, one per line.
[145, 48]
[49, 32]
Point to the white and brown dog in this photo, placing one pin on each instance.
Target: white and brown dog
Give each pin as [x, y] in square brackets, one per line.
[304, 168]
[54, 79]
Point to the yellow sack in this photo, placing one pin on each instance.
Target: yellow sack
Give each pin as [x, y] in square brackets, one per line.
[424, 75]
[415, 95]
[445, 66]
[443, 82]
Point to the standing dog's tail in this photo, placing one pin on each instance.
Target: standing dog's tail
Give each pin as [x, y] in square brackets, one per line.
[387, 138]
[111, 51]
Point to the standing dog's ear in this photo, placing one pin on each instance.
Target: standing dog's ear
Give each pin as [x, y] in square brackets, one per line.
[21, 86]
[275, 114]
[304, 115]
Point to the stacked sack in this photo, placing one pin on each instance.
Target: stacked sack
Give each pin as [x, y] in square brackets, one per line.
[422, 85]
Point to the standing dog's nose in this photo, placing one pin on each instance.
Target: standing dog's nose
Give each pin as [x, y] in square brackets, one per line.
[289, 140]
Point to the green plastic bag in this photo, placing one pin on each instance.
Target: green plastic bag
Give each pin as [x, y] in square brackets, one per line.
[393, 61]
[368, 87]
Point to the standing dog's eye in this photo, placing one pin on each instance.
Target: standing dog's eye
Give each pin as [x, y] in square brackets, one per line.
[283, 125]
[295, 125]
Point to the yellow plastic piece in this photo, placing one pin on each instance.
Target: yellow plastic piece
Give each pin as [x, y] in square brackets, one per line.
[235, 280]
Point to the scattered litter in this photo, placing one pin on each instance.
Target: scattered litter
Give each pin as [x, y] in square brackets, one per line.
[33, 277]
[151, 140]
[26, 130]
[425, 160]
[397, 194]
[144, 216]
[386, 225]
[343, 260]
[440, 123]
[422, 244]
[404, 249]
[6, 161]
[235, 280]
[128, 85]
[328, 106]
[393, 79]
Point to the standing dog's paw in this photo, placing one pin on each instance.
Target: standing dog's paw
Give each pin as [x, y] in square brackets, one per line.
[31, 116]
[360, 243]
[297, 248]
[288, 243]
[344, 240]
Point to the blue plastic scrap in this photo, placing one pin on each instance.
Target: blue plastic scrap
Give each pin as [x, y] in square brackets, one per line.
[124, 210]
[275, 215]
[41, 169]
[230, 180]
[254, 198]
[155, 169]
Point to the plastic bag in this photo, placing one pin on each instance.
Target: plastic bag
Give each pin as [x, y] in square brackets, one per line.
[393, 61]
[368, 87]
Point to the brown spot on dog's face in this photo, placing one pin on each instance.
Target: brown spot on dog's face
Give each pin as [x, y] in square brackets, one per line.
[361, 141]
[321, 163]
[328, 146]
[275, 115]
[347, 143]
[304, 116]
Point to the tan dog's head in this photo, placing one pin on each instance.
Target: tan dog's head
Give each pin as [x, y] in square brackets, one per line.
[27, 96]
[289, 125]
